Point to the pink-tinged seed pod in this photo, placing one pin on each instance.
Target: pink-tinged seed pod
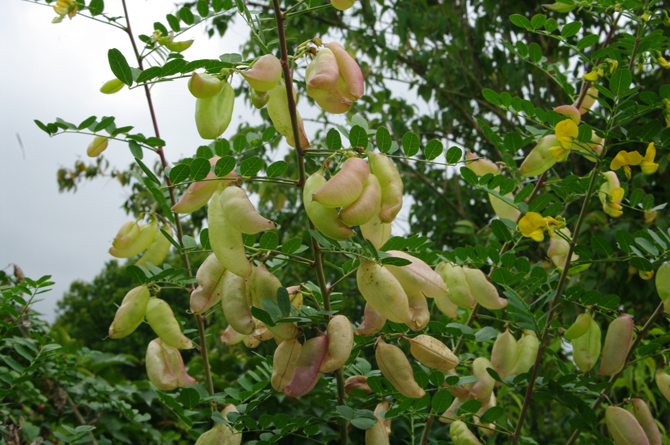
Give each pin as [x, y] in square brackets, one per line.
[208, 292]
[559, 247]
[265, 74]
[586, 349]
[488, 428]
[235, 305]
[461, 435]
[395, 367]
[325, 219]
[240, 212]
[642, 414]
[417, 276]
[503, 209]
[307, 366]
[527, 347]
[131, 312]
[225, 240]
[579, 327]
[484, 387]
[165, 367]
[663, 382]
[346, 186]
[321, 78]
[624, 428]
[663, 285]
[459, 291]
[277, 107]
[340, 335]
[112, 86]
[258, 99]
[617, 343]
[126, 235]
[352, 85]
[366, 206]
[383, 292]
[390, 183]
[569, 111]
[158, 250]
[540, 159]
[283, 363]
[418, 306]
[504, 354]
[357, 382]
[342, 5]
[162, 321]
[379, 433]
[204, 86]
[264, 284]
[97, 146]
[213, 115]
[481, 166]
[376, 231]
[432, 353]
[198, 193]
[147, 233]
[589, 99]
[372, 323]
[482, 290]
[231, 337]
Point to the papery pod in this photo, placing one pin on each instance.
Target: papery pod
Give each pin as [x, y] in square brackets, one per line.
[225, 240]
[503, 209]
[325, 219]
[213, 115]
[277, 107]
[158, 250]
[642, 414]
[262, 333]
[504, 354]
[307, 366]
[589, 99]
[481, 166]
[340, 341]
[624, 428]
[199, 192]
[231, 337]
[240, 212]
[390, 183]
[617, 343]
[586, 349]
[258, 99]
[579, 327]
[351, 84]
[295, 295]
[209, 277]
[540, 159]
[395, 367]
[527, 348]
[283, 363]
[131, 312]
[162, 321]
[204, 85]
[383, 292]
[97, 146]
[147, 233]
[221, 434]
[487, 428]
[264, 284]
[559, 247]
[376, 231]
[459, 291]
[417, 276]
[372, 323]
[342, 4]
[483, 388]
[126, 235]
[432, 353]
[345, 186]
[446, 306]
[379, 433]
[321, 78]
[663, 382]
[265, 73]
[112, 86]
[366, 206]
[461, 435]
[482, 290]
[357, 382]
[663, 285]
[165, 367]
[418, 307]
[449, 415]
[235, 304]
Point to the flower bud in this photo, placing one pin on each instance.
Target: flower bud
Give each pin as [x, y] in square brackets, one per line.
[540, 159]
[204, 86]
[165, 367]
[264, 74]
[97, 146]
[131, 312]
[112, 86]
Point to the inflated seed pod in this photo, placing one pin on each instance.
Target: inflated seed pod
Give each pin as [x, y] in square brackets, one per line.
[504, 354]
[589, 99]
[357, 382]
[376, 231]
[165, 367]
[225, 240]
[663, 285]
[204, 85]
[321, 77]
[340, 341]
[157, 250]
[482, 290]
[395, 367]
[459, 291]
[461, 435]
[258, 99]
[213, 114]
[126, 235]
[162, 321]
[460, 391]
[432, 353]
[372, 322]
[264, 284]
[579, 327]
[200, 192]
[503, 209]
[325, 219]
[527, 349]
[383, 292]
[344, 188]
[209, 278]
[483, 388]
[231, 337]
[417, 276]
[235, 305]
[624, 428]
[221, 434]
[240, 212]
[283, 363]
[487, 428]
[131, 312]
[277, 107]
[265, 73]
[617, 343]
[97, 146]
[450, 414]
[366, 205]
[540, 159]
[481, 166]
[145, 236]
[586, 349]
[642, 414]
[391, 184]
[663, 382]
[307, 366]
[418, 307]
[342, 5]
[351, 84]
[378, 434]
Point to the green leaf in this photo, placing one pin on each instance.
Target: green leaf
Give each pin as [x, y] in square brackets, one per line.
[320, 239]
[104, 123]
[271, 307]
[538, 21]
[587, 40]
[147, 172]
[500, 230]
[469, 176]
[186, 15]
[179, 173]
[433, 149]
[471, 406]
[454, 154]
[602, 246]
[173, 22]
[358, 137]
[120, 66]
[384, 140]
[136, 274]
[150, 73]
[189, 242]
[240, 143]
[224, 166]
[204, 239]
[333, 139]
[251, 166]
[135, 149]
[96, 7]
[551, 25]
[269, 240]
[268, 134]
[441, 401]
[203, 8]
[86, 123]
[262, 315]
[276, 169]
[647, 245]
[284, 301]
[189, 397]
[535, 52]
[620, 81]
[363, 423]
[291, 245]
[410, 143]
[571, 29]
[520, 21]
[485, 334]
[491, 96]
[492, 414]
[199, 169]
[393, 261]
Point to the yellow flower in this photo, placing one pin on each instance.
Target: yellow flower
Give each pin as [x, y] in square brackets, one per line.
[646, 275]
[648, 165]
[625, 160]
[566, 132]
[590, 77]
[613, 65]
[649, 217]
[532, 225]
[65, 7]
[664, 63]
[611, 194]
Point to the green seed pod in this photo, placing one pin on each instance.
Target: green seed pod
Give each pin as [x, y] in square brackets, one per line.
[527, 347]
[383, 292]
[142, 241]
[366, 206]
[165, 367]
[504, 354]
[390, 183]
[663, 285]
[97, 146]
[240, 212]
[376, 231]
[617, 343]
[162, 321]
[178, 47]
[325, 219]
[484, 387]
[213, 115]
[395, 367]
[158, 250]
[235, 305]
[344, 188]
[226, 242]
[204, 86]
[263, 284]
[624, 428]
[208, 292]
[264, 74]
[131, 312]
[642, 414]
[540, 159]
[259, 99]
[112, 86]
[663, 382]
[278, 111]
[586, 349]
[461, 435]
[459, 291]
[482, 290]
